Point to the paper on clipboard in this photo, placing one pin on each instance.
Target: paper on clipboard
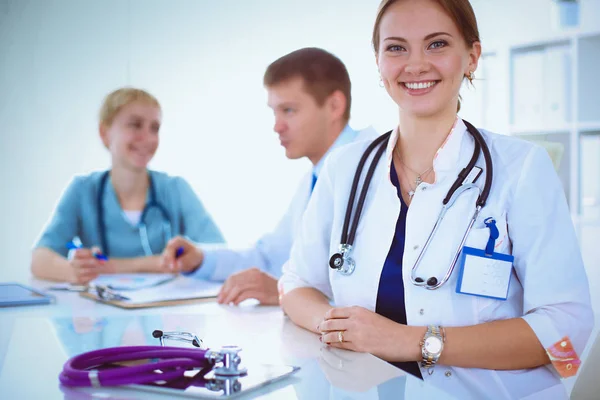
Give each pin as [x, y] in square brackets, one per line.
[179, 291]
[132, 281]
[181, 288]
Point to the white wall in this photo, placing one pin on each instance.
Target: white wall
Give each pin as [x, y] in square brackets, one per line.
[508, 22]
[204, 60]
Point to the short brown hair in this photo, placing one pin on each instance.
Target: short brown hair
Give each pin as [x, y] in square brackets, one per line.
[322, 73]
[116, 100]
[460, 11]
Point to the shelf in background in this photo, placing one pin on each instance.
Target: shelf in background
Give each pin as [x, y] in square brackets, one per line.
[516, 130]
[540, 44]
[589, 128]
[560, 39]
[588, 35]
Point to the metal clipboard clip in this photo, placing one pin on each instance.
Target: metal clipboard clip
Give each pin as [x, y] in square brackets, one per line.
[106, 293]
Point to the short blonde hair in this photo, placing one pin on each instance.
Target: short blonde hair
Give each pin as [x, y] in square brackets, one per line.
[115, 101]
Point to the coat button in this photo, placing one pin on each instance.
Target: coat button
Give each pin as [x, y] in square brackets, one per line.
[448, 374]
[423, 188]
[421, 311]
[416, 246]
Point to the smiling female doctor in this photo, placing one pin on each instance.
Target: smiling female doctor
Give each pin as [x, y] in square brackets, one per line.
[519, 291]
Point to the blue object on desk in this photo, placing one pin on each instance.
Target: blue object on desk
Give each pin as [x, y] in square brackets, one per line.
[15, 294]
[99, 256]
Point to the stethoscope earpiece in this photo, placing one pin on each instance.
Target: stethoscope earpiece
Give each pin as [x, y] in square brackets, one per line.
[180, 336]
[432, 281]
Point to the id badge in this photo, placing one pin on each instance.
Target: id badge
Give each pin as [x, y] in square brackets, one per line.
[485, 275]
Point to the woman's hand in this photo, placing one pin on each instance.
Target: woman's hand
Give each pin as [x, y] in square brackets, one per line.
[85, 267]
[365, 331]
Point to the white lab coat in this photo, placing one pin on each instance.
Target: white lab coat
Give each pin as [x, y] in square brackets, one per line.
[549, 287]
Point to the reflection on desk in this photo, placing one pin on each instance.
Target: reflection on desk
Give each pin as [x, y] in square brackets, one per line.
[81, 334]
[74, 325]
[264, 333]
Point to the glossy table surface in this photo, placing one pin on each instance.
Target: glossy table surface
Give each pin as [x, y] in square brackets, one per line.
[35, 342]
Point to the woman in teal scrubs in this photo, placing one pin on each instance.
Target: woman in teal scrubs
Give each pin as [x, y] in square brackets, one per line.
[121, 219]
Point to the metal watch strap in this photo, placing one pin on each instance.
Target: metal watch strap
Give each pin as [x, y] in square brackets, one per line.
[429, 361]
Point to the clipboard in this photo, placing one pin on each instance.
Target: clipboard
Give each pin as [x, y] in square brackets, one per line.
[179, 291]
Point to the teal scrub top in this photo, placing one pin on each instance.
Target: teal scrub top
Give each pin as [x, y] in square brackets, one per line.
[76, 216]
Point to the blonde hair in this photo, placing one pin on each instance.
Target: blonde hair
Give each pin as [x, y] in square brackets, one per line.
[115, 101]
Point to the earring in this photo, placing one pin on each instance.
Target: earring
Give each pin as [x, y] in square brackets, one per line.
[381, 81]
[470, 76]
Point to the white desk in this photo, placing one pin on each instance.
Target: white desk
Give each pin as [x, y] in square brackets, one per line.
[35, 342]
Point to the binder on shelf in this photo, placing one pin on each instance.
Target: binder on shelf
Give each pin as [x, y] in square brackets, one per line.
[557, 86]
[528, 88]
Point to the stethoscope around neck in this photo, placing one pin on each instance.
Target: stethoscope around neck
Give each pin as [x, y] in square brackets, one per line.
[142, 227]
[465, 181]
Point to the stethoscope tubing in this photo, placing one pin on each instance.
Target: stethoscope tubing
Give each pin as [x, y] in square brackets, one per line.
[363, 192]
[82, 370]
[457, 188]
[152, 203]
[382, 140]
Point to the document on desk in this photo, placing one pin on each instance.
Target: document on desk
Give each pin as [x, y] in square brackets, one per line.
[132, 281]
[181, 288]
[178, 291]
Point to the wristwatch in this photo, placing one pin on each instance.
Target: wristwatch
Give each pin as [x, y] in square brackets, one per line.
[431, 347]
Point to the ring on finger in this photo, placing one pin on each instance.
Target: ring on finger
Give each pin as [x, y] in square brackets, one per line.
[340, 336]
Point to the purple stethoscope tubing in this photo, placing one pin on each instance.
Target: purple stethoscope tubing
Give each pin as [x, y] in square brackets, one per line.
[81, 370]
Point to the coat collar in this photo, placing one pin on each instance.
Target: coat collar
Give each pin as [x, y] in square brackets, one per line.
[446, 157]
[348, 135]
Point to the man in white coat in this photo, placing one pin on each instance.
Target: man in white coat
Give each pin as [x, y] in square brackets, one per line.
[309, 92]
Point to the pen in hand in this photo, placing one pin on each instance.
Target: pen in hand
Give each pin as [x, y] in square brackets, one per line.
[178, 253]
[97, 254]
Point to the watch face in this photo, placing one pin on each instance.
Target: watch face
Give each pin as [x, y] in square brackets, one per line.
[433, 345]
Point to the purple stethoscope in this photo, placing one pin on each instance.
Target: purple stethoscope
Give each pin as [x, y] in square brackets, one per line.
[101, 368]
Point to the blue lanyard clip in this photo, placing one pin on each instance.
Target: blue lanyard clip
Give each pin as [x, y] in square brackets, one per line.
[494, 234]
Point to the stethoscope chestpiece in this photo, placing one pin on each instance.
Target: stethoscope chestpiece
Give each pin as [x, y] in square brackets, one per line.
[227, 385]
[230, 359]
[342, 261]
[336, 261]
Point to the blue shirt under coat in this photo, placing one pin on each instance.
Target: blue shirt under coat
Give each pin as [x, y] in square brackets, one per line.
[390, 295]
[76, 216]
